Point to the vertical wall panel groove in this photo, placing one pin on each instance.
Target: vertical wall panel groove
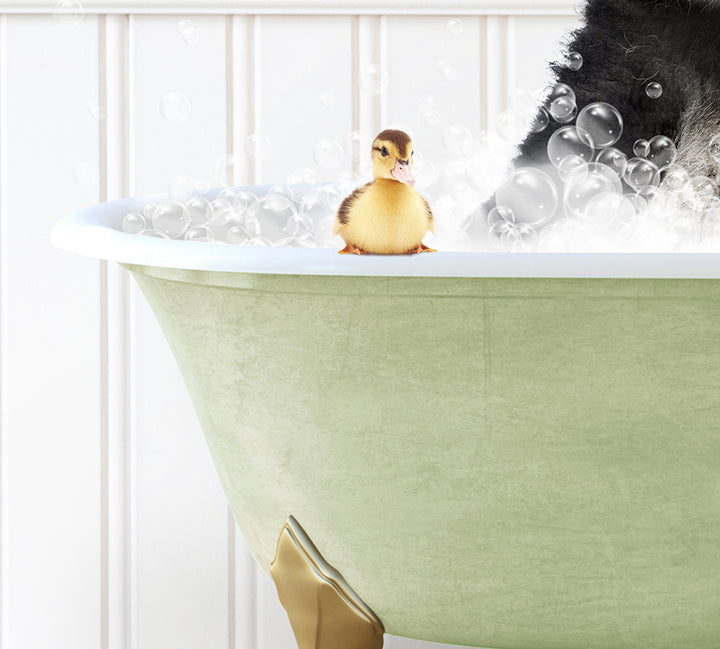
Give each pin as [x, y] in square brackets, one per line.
[370, 109]
[4, 459]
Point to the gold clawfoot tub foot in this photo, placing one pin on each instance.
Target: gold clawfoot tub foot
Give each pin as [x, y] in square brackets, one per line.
[324, 612]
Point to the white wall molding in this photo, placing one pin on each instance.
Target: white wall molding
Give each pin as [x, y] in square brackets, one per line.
[308, 7]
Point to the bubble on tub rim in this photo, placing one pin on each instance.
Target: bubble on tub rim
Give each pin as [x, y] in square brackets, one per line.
[68, 13]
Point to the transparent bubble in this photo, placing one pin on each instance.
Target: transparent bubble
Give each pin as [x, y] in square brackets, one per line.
[677, 179]
[426, 103]
[602, 122]
[511, 125]
[498, 214]
[357, 146]
[641, 173]
[614, 159]
[499, 233]
[221, 211]
[373, 79]
[175, 107]
[242, 200]
[607, 210]
[259, 241]
[530, 194]
[328, 99]
[133, 223]
[704, 189]
[569, 140]
[574, 61]
[328, 154]
[455, 26]
[198, 211]
[181, 187]
[96, 110]
[563, 109]
[237, 235]
[523, 238]
[540, 121]
[189, 32]
[258, 146]
[583, 186]
[171, 218]
[714, 147]
[432, 117]
[300, 225]
[155, 234]
[457, 139]
[68, 13]
[662, 151]
[641, 148]
[149, 210]
[201, 234]
[571, 164]
[447, 69]
[272, 213]
[561, 90]
[653, 90]
[230, 169]
[303, 177]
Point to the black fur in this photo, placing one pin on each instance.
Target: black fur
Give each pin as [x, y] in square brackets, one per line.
[627, 43]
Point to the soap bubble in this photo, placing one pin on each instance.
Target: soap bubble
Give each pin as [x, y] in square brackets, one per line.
[602, 122]
[653, 90]
[221, 211]
[569, 140]
[662, 151]
[68, 13]
[641, 148]
[302, 177]
[155, 234]
[500, 213]
[563, 109]
[530, 194]
[328, 99]
[540, 121]
[511, 125]
[585, 184]
[299, 225]
[373, 79]
[328, 154]
[149, 210]
[426, 103]
[499, 233]
[571, 164]
[257, 146]
[181, 187]
[455, 26]
[272, 213]
[641, 173]
[189, 32]
[171, 218]
[574, 61]
[457, 139]
[606, 210]
[447, 69]
[561, 90]
[198, 211]
[96, 110]
[229, 169]
[237, 235]
[200, 234]
[614, 159]
[175, 107]
[432, 117]
[133, 223]
[714, 147]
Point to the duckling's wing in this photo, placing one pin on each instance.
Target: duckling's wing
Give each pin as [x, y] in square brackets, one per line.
[343, 213]
[429, 216]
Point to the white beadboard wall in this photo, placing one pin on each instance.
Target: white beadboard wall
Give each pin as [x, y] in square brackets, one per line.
[114, 532]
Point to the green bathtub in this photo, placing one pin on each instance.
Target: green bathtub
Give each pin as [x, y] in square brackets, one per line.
[494, 450]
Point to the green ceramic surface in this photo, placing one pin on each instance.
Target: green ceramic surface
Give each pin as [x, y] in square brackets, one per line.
[510, 463]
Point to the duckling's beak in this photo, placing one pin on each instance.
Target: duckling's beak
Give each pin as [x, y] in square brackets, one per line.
[401, 171]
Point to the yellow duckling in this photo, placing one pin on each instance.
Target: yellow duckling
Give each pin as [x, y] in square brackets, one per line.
[387, 216]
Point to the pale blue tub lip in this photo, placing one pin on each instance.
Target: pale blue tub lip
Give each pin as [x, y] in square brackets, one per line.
[94, 232]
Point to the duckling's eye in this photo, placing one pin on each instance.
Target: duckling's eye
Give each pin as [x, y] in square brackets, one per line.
[384, 152]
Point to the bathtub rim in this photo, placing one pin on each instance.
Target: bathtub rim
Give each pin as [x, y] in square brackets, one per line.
[94, 232]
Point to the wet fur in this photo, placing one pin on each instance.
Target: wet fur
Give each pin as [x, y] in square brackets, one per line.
[627, 43]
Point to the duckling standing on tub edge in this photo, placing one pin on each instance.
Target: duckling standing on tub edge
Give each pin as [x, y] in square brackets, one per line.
[387, 216]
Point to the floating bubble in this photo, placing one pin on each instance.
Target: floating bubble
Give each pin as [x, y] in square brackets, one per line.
[175, 107]
[455, 26]
[198, 211]
[602, 122]
[258, 146]
[614, 159]
[561, 90]
[654, 90]
[662, 151]
[714, 147]
[68, 13]
[96, 110]
[328, 153]
[563, 109]
[229, 169]
[499, 233]
[149, 210]
[171, 218]
[571, 164]
[540, 121]
[511, 125]
[270, 215]
[181, 187]
[704, 189]
[583, 186]
[133, 223]
[299, 225]
[221, 211]
[200, 234]
[641, 173]
[426, 103]
[606, 210]
[189, 32]
[432, 117]
[641, 148]
[447, 69]
[328, 99]
[237, 235]
[574, 61]
[530, 194]
[500, 213]
[303, 177]
[457, 139]
[373, 79]
[569, 140]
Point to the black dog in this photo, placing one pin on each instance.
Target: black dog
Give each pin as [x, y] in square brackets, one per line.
[626, 44]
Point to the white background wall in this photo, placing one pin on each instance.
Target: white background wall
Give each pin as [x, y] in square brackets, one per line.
[114, 531]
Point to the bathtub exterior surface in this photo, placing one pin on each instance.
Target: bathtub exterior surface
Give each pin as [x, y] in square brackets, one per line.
[495, 462]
